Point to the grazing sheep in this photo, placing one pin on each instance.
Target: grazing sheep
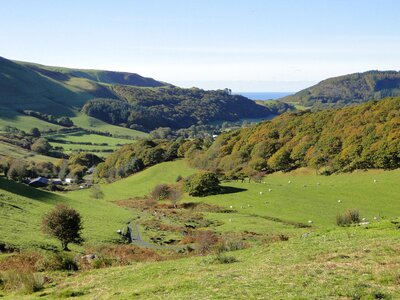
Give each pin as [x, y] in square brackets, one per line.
[230, 220]
[339, 201]
[363, 219]
[248, 205]
[375, 218]
[231, 207]
[264, 182]
[261, 193]
[289, 181]
[269, 190]
[309, 221]
[375, 180]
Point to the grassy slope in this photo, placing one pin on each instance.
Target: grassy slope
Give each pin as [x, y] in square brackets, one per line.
[331, 263]
[20, 153]
[23, 208]
[351, 263]
[101, 218]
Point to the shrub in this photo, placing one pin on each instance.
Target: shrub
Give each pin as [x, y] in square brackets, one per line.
[224, 259]
[160, 192]
[65, 224]
[206, 240]
[20, 280]
[96, 192]
[351, 216]
[203, 184]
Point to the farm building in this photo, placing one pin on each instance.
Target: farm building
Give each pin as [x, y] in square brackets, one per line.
[39, 182]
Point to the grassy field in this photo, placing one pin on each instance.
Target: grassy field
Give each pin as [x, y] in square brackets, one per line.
[90, 123]
[22, 209]
[322, 261]
[350, 263]
[20, 153]
[73, 142]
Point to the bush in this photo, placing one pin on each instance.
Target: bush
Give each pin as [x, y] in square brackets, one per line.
[351, 216]
[96, 192]
[65, 224]
[160, 192]
[203, 184]
[224, 259]
[24, 281]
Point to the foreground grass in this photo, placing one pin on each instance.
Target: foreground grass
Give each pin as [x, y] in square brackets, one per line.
[345, 263]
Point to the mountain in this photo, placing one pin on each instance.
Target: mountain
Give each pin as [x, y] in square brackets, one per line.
[348, 89]
[119, 98]
[354, 137]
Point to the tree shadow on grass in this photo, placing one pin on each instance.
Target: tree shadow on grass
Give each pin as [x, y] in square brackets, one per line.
[231, 190]
[29, 192]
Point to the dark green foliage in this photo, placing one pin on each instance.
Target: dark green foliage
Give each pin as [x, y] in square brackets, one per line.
[349, 89]
[172, 107]
[358, 137]
[65, 224]
[202, 184]
[41, 146]
[63, 121]
[35, 132]
[351, 216]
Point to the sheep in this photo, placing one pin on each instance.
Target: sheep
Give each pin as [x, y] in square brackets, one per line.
[231, 207]
[269, 190]
[375, 181]
[375, 218]
[263, 182]
[230, 220]
[339, 201]
[261, 193]
[248, 205]
[289, 182]
[309, 221]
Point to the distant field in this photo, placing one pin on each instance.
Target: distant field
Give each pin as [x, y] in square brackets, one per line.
[23, 122]
[87, 122]
[70, 142]
[17, 152]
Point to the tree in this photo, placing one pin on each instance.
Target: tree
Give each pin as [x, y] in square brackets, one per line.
[202, 184]
[65, 224]
[41, 146]
[35, 132]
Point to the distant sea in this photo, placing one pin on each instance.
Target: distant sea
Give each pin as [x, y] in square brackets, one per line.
[263, 95]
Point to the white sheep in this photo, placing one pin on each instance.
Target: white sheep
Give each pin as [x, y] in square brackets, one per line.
[309, 221]
[289, 181]
[261, 193]
[375, 181]
[248, 205]
[339, 201]
[231, 207]
[269, 190]
[230, 220]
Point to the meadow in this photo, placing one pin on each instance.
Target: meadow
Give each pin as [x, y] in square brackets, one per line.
[319, 259]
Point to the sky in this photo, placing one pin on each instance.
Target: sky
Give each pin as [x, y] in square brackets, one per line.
[245, 45]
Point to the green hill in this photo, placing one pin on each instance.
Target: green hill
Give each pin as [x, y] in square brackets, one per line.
[118, 98]
[348, 89]
[356, 137]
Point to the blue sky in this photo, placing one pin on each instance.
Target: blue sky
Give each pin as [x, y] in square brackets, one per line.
[244, 45]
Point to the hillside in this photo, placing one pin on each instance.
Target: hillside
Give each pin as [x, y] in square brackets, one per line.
[307, 264]
[118, 98]
[356, 137]
[348, 89]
